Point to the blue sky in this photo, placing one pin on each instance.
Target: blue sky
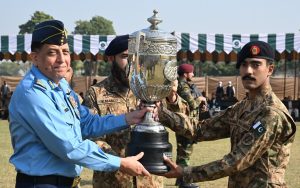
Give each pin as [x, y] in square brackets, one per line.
[194, 16]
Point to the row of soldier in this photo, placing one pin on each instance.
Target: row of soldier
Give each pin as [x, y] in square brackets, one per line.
[47, 120]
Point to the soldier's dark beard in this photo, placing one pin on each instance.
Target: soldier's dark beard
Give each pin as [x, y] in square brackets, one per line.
[119, 74]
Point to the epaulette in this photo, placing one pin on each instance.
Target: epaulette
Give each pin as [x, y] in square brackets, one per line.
[39, 84]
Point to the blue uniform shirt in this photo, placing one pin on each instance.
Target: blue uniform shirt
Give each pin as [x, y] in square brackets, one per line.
[49, 130]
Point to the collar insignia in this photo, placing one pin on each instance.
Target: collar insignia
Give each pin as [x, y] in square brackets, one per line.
[73, 102]
[40, 83]
[52, 85]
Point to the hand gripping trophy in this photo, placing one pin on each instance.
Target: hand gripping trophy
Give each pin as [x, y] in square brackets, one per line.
[153, 56]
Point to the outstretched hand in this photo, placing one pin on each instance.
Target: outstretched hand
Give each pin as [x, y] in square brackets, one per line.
[176, 170]
[131, 166]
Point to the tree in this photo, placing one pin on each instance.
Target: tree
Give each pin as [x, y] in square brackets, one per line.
[217, 69]
[13, 68]
[98, 25]
[37, 17]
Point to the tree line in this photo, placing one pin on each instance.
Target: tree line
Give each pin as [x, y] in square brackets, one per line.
[98, 25]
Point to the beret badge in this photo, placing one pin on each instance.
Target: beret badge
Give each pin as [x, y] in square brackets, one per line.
[254, 50]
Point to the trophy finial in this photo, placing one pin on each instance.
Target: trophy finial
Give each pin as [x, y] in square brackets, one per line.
[154, 20]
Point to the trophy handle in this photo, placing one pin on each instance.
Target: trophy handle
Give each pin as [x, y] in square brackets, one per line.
[136, 52]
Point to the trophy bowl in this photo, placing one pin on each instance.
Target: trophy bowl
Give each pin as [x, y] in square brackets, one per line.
[152, 54]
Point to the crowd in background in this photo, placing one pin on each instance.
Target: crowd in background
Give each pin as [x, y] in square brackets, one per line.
[221, 99]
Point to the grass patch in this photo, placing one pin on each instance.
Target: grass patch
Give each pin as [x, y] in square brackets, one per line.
[203, 152]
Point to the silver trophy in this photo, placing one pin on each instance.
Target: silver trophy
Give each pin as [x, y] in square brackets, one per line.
[152, 53]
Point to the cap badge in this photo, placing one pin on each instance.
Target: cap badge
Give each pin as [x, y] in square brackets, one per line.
[255, 50]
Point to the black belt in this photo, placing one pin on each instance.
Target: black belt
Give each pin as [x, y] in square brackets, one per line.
[49, 179]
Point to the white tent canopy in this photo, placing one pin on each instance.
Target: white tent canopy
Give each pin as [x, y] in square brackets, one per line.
[227, 43]
[234, 42]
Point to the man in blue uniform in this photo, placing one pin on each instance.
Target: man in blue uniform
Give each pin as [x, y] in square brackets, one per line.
[49, 127]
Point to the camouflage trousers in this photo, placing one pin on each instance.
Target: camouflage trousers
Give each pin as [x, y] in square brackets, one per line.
[184, 150]
[120, 180]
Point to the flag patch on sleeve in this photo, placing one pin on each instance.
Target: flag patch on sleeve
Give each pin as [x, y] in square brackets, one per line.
[258, 128]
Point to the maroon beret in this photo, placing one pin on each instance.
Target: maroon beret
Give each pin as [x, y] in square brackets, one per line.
[185, 68]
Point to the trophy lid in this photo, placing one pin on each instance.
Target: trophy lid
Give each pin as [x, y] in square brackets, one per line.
[154, 39]
[153, 32]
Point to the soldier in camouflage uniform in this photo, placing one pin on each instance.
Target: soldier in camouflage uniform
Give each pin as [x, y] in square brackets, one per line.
[113, 96]
[260, 128]
[174, 102]
[189, 92]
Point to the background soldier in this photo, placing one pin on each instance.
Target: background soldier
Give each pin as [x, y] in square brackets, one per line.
[219, 91]
[69, 77]
[4, 93]
[260, 128]
[174, 102]
[191, 94]
[113, 95]
[230, 90]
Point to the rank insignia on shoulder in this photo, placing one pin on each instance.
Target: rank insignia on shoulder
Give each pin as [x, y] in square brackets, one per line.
[258, 128]
[40, 84]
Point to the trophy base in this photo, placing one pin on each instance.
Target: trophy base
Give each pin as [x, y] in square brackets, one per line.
[155, 146]
[157, 169]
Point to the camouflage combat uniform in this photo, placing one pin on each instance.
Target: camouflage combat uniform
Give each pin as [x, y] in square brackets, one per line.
[111, 97]
[184, 145]
[180, 105]
[261, 132]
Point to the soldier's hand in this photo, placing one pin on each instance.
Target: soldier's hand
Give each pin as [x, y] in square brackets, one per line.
[172, 97]
[202, 99]
[176, 170]
[131, 166]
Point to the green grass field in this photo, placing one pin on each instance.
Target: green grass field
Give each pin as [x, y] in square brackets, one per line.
[203, 152]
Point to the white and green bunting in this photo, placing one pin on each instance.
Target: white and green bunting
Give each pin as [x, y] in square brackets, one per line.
[234, 42]
[186, 41]
[89, 43]
[77, 43]
[15, 43]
